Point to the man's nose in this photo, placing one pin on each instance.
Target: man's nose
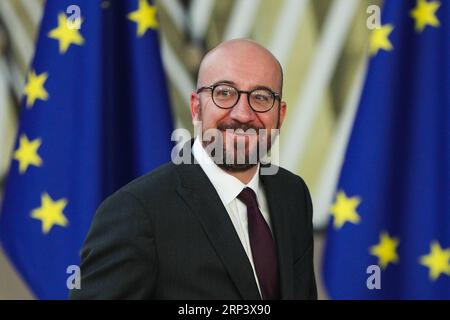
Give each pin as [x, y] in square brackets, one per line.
[242, 111]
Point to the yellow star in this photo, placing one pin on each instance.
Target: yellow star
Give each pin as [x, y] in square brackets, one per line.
[27, 154]
[34, 88]
[425, 14]
[344, 210]
[385, 250]
[379, 39]
[50, 213]
[65, 34]
[145, 17]
[438, 261]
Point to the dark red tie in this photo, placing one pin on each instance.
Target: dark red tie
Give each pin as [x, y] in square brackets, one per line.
[263, 246]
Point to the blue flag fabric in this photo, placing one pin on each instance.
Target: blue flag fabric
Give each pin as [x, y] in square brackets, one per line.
[392, 207]
[95, 115]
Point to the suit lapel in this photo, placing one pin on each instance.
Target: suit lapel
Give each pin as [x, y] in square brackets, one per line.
[278, 216]
[200, 195]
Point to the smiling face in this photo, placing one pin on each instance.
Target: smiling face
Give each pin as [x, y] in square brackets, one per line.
[245, 66]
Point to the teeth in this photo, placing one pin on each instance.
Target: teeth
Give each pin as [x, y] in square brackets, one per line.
[242, 134]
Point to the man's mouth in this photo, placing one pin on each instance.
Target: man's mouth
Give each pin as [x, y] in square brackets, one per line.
[241, 132]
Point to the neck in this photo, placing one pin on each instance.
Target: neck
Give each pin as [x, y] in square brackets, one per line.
[244, 176]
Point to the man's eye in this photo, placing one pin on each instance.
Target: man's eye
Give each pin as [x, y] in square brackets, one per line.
[261, 97]
[224, 92]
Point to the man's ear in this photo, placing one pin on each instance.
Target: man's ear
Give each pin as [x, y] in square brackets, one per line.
[195, 106]
[283, 107]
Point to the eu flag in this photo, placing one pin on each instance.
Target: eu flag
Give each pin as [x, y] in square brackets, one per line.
[95, 115]
[389, 236]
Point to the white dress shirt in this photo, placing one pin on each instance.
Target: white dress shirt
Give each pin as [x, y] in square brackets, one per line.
[228, 188]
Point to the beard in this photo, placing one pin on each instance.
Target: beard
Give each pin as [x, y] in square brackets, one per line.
[240, 145]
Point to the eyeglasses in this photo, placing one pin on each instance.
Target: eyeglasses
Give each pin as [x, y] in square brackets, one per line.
[226, 97]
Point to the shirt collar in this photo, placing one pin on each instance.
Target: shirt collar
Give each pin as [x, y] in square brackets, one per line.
[227, 186]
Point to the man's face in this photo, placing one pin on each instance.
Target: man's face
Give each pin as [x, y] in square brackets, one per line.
[245, 67]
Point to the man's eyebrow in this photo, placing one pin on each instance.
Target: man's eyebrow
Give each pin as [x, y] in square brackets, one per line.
[225, 82]
[234, 84]
[264, 87]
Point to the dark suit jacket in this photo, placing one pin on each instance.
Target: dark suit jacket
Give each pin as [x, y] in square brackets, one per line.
[167, 235]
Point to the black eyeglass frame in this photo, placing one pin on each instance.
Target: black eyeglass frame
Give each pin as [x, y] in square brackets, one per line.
[276, 96]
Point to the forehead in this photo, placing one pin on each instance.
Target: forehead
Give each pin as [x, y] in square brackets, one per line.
[247, 67]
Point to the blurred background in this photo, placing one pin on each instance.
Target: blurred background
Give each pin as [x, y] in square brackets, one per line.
[322, 45]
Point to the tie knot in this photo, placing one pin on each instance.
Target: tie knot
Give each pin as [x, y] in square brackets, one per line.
[248, 197]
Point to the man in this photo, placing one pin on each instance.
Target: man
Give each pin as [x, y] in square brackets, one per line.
[211, 229]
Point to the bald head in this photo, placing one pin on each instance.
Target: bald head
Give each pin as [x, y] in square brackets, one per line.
[246, 57]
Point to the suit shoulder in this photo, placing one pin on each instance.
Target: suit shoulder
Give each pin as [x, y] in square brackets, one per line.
[158, 180]
[289, 177]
